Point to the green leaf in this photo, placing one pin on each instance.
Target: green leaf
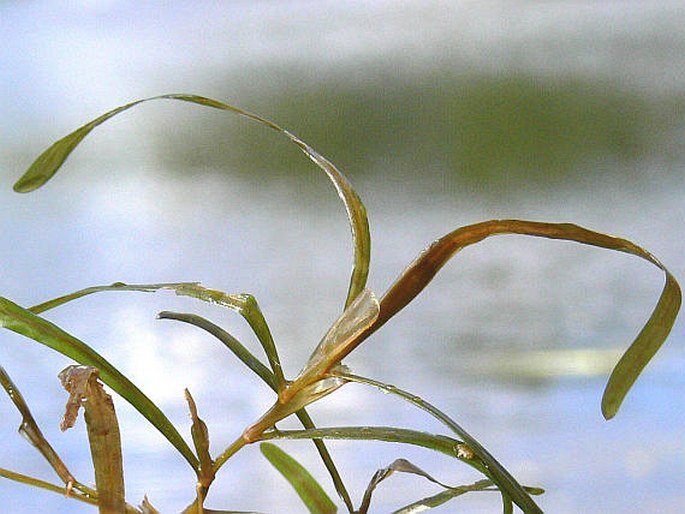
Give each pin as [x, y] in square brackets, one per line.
[438, 443]
[236, 347]
[506, 483]
[443, 497]
[24, 322]
[47, 164]
[244, 304]
[645, 346]
[424, 268]
[50, 161]
[309, 490]
[116, 286]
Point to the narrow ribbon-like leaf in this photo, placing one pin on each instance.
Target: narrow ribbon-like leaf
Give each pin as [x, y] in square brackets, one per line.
[244, 304]
[24, 322]
[47, 164]
[645, 346]
[50, 161]
[470, 450]
[236, 347]
[443, 497]
[420, 273]
[308, 489]
[435, 442]
[116, 286]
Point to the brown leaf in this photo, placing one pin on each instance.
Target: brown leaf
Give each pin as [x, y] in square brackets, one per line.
[103, 433]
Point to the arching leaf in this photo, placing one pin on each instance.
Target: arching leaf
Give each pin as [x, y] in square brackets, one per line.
[51, 160]
[424, 268]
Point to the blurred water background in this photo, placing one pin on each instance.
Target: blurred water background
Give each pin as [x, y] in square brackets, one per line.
[442, 114]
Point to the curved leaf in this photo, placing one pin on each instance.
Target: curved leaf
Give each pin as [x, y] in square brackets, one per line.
[471, 451]
[438, 443]
[397, 466]
[309, 490]
[50, 161]
[645, 346]
[424, 268]
[47, 164]
[244, 304]
[24, 322]
[235, 346]
[116, 286]
[443, 497]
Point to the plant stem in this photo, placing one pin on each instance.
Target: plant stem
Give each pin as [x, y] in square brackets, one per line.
[229, 452]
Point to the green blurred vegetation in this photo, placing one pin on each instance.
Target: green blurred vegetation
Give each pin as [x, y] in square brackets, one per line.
[473, 129]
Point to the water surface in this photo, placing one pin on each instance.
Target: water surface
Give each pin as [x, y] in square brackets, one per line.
[442, 116]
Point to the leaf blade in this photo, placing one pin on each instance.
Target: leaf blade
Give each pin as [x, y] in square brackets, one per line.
[643, 348]
[51, 160]
[652, 336]
[307, 488]
[507, 484]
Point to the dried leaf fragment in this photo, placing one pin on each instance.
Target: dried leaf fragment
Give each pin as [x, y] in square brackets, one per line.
[75, 380]
[103, 433]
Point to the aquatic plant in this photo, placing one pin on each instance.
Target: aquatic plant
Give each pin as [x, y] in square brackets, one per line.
[323, 373]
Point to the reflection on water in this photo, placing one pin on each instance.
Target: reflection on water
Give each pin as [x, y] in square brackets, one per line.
[515, 338]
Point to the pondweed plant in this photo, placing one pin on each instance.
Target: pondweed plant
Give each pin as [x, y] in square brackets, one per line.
[321, 375]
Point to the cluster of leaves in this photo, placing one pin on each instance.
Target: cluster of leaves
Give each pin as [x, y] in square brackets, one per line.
[321, 375]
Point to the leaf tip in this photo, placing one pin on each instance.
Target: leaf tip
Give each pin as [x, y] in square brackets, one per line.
[609, 408]
[26, 185]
